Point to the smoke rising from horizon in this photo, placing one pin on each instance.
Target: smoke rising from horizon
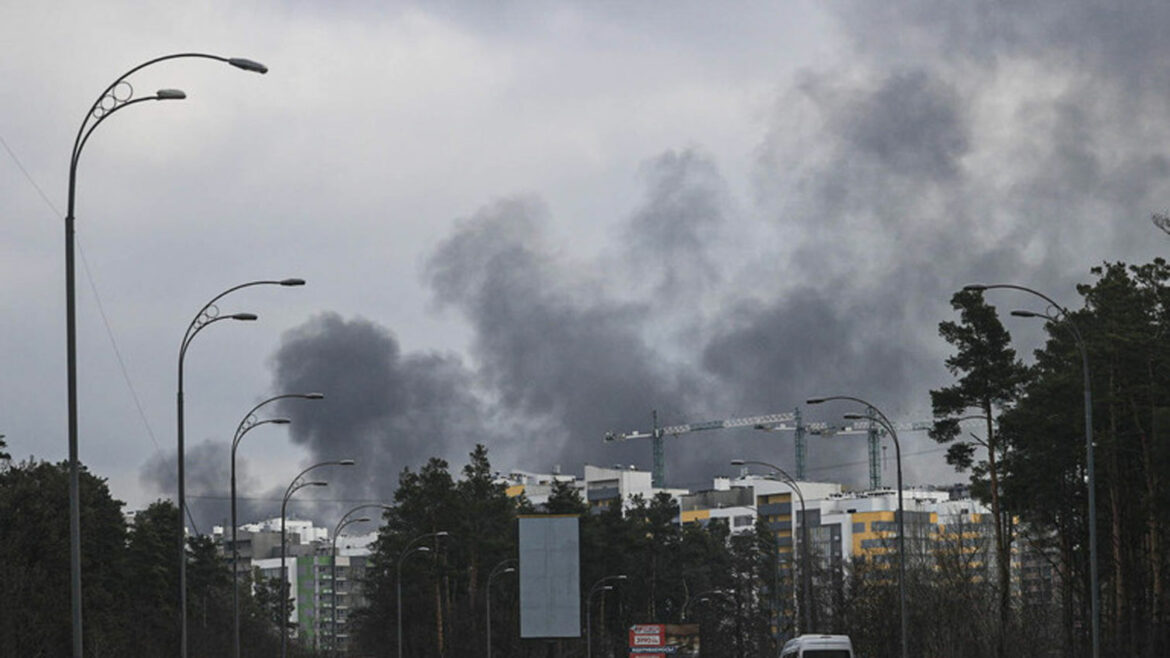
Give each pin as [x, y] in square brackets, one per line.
[956, 148]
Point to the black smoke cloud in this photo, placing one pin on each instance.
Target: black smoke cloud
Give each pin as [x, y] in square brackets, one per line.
[385, 409]
[960, 145]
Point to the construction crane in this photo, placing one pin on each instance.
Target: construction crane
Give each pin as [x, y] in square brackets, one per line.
[779, 422]
[875, 432]
[803, 430]
[657, 434]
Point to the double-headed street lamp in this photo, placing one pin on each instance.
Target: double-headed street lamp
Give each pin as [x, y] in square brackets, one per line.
[295, 485]
[599, 586]
[341, 525]
[246, 425]
[700, 597]
[117, 96]
[806, 573]
[345, 521]
[503, 567]
[411, 547]
[881, 419]
[1063, 316]
[207, 315]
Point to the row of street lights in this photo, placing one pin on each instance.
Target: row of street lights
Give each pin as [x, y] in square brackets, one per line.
[118, 96]
[1060, 315]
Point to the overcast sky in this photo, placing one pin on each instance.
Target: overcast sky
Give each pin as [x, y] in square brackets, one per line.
[528, 224]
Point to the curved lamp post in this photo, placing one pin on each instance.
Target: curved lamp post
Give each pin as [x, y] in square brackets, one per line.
[702, 596]
[411, 547]
[333, 563]
[293, 487]
[806, 573]
[1063, 316]
[503, 567]
[342, 524]
[881, 419]
[246, 425]
[117, 96]
[207, 315]
[598, 586]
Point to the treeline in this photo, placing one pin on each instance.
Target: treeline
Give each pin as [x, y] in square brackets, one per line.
[1026, 449]
[130, 576]
[725, 582]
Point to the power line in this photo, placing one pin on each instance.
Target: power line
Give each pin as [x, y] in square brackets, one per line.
[97, 298]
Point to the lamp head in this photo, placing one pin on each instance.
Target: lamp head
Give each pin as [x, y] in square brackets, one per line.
[737, 462]
[170, 94]
[509, 570]
[814, 400]
[975, 287]
[313, 396]
[279, 421]
[317, 483]
[1026, 314]
[346, 462]
[423, 549]
[243, 316]
[292, 282]
[364, 519]
[248, 65]
[854, 416]
[442, 533]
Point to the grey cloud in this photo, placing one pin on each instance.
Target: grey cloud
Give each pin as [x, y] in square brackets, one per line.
[549, 344]
[383, 408]
[669, 238]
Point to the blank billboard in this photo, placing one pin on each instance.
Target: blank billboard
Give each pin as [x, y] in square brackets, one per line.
[550, 577]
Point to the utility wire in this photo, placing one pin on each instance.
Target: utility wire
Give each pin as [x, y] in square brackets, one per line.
[93, 287]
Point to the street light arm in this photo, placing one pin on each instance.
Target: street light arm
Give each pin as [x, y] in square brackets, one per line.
[84, 138]
[206, 314]
[364, 506]
[97, 113]
[297, 484]
[250, 418]
[190, 336]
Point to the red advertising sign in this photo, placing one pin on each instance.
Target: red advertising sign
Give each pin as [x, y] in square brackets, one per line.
[664, 641]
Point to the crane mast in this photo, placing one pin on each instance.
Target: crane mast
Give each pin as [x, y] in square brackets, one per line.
[778, 422]
[657, 434]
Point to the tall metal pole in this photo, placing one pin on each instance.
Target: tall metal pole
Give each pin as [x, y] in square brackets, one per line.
[410, 548]
[806, 572]
[243, 428]
[500, 568]
[113, 98]
[1065, 317]
[293, 487]
[341, 524]
[207, 315]
[333, 573]
[885, 422]
[598, 586]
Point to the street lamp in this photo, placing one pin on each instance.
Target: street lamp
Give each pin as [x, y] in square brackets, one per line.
[246, 425]
[881, 419]
[333, 571]
[118, 95]
[1065, 317]
[333, 566]
[702, 596]
[806, 573]
[411, 548]
[207, 315]
[599, 586]
[501, 568]
[293, 487]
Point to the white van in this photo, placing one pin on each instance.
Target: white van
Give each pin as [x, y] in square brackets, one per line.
[818, 646]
